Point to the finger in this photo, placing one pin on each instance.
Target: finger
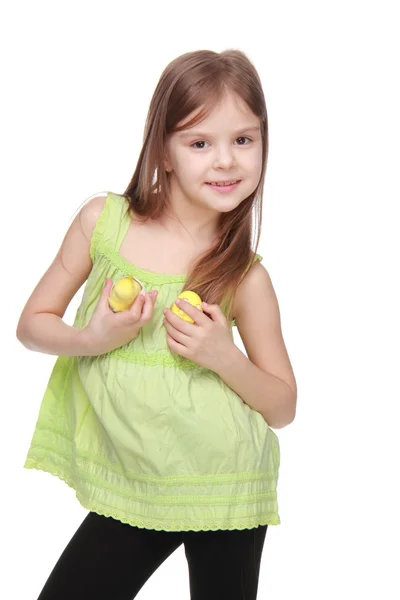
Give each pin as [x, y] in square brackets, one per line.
[193, 312]
[215, 312]
[177, 347]
[176, 334]
[137, 306]
[147, 309]
[179, 323]
[105, 294]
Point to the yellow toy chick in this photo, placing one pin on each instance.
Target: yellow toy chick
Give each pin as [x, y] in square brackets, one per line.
[193, 299]
[124, 293]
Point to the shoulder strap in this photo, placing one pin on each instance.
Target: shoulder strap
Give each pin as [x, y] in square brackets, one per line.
[111, 225]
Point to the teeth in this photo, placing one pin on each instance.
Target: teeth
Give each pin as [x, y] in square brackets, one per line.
[222, 184]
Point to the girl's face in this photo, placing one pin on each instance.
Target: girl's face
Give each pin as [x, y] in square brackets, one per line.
[226, 146]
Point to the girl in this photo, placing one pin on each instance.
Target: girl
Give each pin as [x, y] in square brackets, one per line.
[162, 426]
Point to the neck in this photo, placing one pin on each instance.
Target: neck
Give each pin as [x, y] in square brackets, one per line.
[184, 218]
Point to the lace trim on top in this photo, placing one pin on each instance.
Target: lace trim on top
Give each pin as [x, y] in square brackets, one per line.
[99, 247]
[104, 249]
[144, 358]
[151, 523]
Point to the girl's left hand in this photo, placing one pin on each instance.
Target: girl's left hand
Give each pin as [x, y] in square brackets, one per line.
[206, 341]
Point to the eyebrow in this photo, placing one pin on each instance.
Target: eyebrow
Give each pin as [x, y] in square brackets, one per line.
[202, 134]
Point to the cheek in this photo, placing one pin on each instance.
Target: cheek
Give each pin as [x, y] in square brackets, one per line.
[193, 173]
[187, 166]
[253, 167]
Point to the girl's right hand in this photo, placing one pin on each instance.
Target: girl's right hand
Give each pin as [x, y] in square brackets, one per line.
[107, 330]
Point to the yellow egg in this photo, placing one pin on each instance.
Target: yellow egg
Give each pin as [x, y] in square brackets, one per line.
[124, 293]
[193, 299]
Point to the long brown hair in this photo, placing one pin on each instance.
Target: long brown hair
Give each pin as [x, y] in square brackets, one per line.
[196, 80]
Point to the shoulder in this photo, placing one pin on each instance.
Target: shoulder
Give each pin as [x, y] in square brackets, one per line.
[256, 286]
[91, 211]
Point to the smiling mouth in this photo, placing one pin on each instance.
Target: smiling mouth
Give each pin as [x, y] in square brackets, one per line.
[225, 184]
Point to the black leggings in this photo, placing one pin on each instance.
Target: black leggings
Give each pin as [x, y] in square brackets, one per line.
[110, 560]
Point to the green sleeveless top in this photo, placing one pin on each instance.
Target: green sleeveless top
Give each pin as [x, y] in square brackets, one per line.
[144, 435]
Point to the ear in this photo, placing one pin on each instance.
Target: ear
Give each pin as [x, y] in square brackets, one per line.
[167, 164]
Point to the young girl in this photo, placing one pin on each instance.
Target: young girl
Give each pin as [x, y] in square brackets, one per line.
[161, 425]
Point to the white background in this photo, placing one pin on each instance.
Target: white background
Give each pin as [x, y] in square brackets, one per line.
[76, 81]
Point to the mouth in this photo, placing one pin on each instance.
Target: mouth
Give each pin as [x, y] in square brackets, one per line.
[224, 186]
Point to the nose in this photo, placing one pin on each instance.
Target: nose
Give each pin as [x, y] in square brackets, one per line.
[223, 158]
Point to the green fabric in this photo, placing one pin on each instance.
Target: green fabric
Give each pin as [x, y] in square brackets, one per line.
[144, 435]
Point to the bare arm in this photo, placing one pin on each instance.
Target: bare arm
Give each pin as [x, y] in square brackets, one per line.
[265, 379]
[40, 326]
[49, 334]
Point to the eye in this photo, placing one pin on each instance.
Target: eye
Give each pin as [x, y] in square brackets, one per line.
[200, 142]
[243, 138]
[194, 145]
